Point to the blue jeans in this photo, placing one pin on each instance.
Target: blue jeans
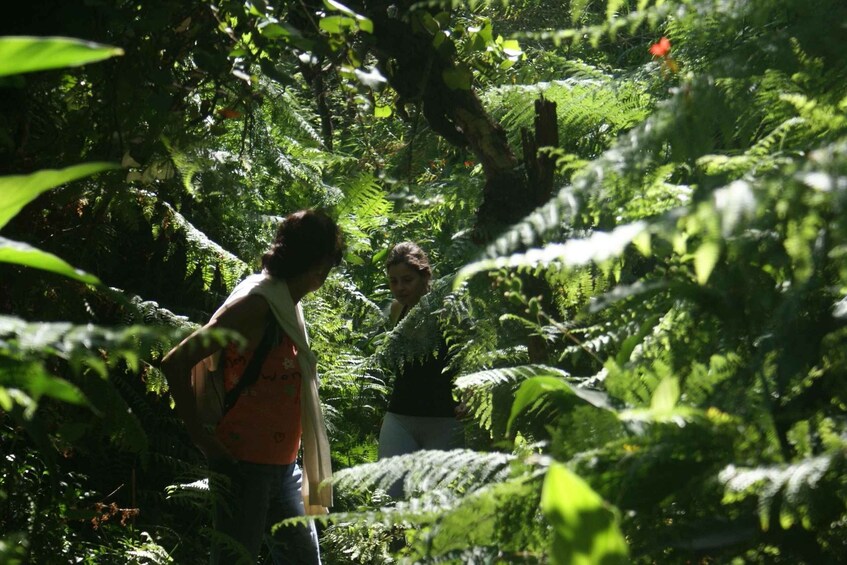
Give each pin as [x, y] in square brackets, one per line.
[258, 497]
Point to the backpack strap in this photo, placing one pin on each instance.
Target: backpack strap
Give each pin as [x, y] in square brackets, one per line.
[251, 372]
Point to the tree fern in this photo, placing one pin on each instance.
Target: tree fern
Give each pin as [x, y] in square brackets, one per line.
[590, 111]
[599, 248]
[457, 471]
[792, 493]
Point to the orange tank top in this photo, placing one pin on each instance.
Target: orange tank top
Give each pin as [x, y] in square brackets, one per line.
[263, 426]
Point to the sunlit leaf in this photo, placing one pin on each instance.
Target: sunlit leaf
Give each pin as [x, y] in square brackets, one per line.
[585, 529]
[599, 247]
[533, 391]
[37, 383]
[336, 24]
[6, 402]
[705, 259]
[361, 22]
[16, 191]
[666, 395]
[382, 111]
[366, 25]
[274, 31]
[338, 6]
[23, 254]
[512, 48]
[22, 54]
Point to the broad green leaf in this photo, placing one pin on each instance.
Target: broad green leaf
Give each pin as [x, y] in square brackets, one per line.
[12, 396]
[365, 24]
[429, 23]
[336, 24]
[705, 259]
[585, 529]
[533, 390]
[512, 48]
[438, 39]
[17, 191]
[6, 401]
[643, 242]
[679, 416]
[23, 54]
[54, 387]
[338, 6]
[382, 111]
[362, 23]
[274, 31]
[666, 395]
[23, 254]
[33, 382]
[354, 259]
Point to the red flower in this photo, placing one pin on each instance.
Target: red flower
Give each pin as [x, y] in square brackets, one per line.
[662, 48]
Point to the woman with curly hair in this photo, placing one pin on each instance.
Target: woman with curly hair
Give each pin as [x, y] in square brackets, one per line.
[256, 442]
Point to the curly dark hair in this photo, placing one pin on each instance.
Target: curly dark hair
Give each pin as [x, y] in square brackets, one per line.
[303, 240]
[411, 254]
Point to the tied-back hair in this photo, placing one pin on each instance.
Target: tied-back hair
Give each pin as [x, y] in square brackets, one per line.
[303, 240]
[412, 255]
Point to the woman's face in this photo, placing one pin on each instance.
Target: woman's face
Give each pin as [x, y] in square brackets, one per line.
[318, 274]
[406, 284]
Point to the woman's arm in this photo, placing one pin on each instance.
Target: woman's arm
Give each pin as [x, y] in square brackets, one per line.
[245, 317]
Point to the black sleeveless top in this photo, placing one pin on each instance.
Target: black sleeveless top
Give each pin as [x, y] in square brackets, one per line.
[422, 388]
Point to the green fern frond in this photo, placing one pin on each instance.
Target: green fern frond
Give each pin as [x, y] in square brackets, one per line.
[503, 514]
[288, 114]
[458, 471]
[418, 334]
[478, 392]
[485, 380]
[787, 489]
[481, 518]
[597, 248]
[650, 15]
[81, 345]
[201, 252]
[591, 109]
[365, 201]
[702, 381]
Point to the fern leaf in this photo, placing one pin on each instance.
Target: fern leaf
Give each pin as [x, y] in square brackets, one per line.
[598, 248]
[796, 482]
[457, 470]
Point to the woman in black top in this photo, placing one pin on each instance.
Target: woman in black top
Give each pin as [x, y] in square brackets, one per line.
[421, 413]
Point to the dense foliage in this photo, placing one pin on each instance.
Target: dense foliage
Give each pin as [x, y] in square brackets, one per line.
[645, 303]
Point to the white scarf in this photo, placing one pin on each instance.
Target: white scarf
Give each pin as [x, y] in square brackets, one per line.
[317, 466]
